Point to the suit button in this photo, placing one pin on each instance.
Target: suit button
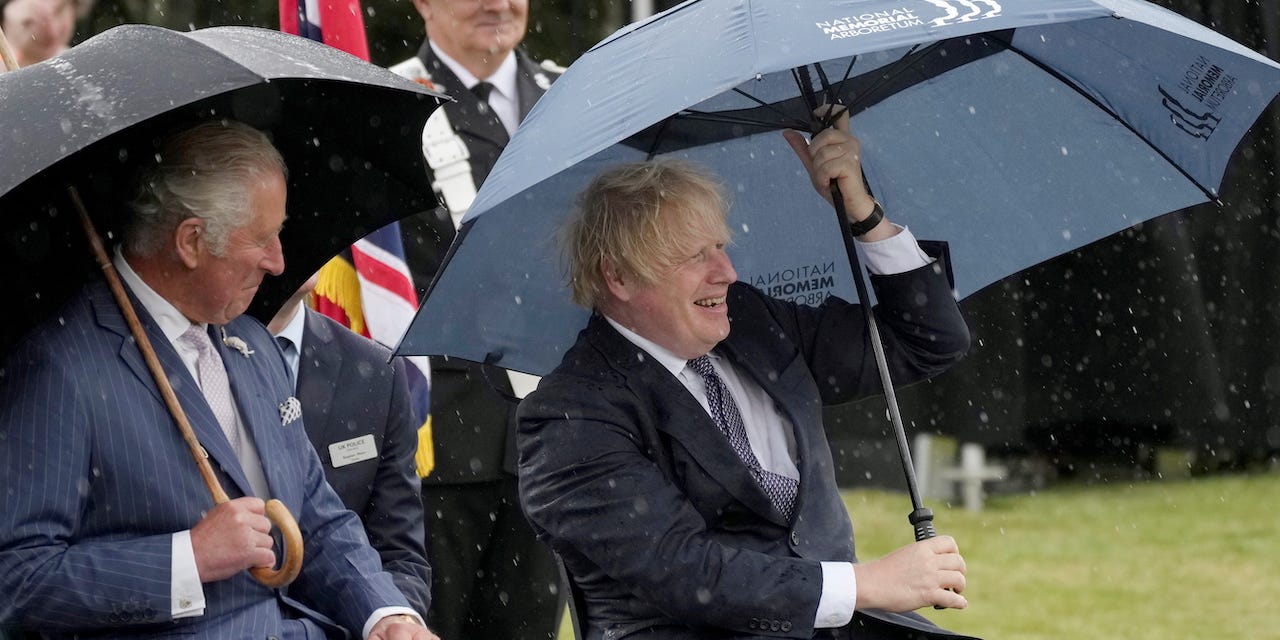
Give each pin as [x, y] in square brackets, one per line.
[754, 624]
[786, 625]
[775, 625]
[795, 538]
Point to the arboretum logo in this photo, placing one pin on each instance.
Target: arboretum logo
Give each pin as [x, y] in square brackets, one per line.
[956, 11]
[1208, 85]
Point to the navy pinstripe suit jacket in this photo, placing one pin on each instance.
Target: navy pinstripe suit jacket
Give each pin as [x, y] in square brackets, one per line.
[95, 479]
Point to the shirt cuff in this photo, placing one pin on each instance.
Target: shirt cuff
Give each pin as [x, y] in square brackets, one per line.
[898, 254]
[382, 612]
[839, 595]
[185, 591]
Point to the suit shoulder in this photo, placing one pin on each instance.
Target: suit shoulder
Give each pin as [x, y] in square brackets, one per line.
[353, 343]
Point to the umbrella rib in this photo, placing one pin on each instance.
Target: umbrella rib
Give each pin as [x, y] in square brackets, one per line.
[771, 107]
[715, 117]
[1107, 110]
[910, 59]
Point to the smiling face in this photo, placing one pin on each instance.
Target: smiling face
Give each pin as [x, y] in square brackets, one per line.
[684, 309]
[225, 284]
[469, 28]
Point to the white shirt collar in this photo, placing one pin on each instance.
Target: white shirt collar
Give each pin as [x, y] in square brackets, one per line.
[293, 330]
[503, 79]
[670, 361]
[172, 322]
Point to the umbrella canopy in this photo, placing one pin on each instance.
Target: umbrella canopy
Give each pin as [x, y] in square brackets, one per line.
[349, 132]
[1016, 130]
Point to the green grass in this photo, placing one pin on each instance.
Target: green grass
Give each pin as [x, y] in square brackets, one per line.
[1187, 558]
[1167, 559]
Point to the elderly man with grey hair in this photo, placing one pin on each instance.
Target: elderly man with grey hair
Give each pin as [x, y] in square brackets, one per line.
[676, 459]
[106, 528]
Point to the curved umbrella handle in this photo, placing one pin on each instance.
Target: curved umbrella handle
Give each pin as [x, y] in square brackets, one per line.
[279, 515]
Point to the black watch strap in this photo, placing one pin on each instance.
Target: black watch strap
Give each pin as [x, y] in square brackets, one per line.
[862, 227]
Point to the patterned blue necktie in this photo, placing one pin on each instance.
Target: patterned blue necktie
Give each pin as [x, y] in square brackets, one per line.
[724, 411]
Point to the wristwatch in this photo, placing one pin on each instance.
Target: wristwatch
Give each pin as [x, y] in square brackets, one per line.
[862, 227]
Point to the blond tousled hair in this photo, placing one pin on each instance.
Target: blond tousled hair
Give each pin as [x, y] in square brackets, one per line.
[639, 217]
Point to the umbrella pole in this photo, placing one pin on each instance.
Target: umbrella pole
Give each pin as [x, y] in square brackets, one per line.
[276, 511]
[921, 517]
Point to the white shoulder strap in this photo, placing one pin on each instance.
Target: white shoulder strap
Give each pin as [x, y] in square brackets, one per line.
[445, 152]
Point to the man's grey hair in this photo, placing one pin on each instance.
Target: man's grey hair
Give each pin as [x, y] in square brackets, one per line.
[206, 172]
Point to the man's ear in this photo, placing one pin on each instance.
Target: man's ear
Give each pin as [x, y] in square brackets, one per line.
[190, 242]
[424, 9]
[618, 284]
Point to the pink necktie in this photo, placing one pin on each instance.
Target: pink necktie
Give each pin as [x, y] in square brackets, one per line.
[213, 382]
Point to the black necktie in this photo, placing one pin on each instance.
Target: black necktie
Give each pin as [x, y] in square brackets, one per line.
[482, 91]
[290, 353]
[724, 412]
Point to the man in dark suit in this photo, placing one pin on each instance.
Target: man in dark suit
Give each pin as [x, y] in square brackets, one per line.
[106, 527]
[677, 460]
[359, 418]
[492, 577]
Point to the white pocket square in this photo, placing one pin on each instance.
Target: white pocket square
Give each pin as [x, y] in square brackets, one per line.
[290, 410]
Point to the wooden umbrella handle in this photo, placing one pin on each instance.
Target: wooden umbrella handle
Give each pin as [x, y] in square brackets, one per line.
[275, 510]
[279, 515]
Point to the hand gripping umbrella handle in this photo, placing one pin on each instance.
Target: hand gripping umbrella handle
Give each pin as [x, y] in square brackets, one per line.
[277, 513]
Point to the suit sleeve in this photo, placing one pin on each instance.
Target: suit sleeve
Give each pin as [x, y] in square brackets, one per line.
[581, 463]
[919, 322]
[394, 518]
[46, 457]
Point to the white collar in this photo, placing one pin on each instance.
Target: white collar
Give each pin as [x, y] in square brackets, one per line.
[503, 79]
[669, 361]
[293, 331]
[172, 322]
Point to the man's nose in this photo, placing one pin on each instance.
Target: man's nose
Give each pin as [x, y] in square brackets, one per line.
[722, 267]
[273, 261]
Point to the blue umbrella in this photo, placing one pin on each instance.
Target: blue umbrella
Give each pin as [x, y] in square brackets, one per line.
[1017, 130]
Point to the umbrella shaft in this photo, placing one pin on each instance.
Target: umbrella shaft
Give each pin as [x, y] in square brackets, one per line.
[864, 299]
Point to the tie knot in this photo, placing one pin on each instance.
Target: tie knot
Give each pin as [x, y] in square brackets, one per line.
[197, 338]
[482, 90]
[702, 366]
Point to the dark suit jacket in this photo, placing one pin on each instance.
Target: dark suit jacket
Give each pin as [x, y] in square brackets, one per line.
[626, 476]
[348, 390]
[97, 479]
[473, 421]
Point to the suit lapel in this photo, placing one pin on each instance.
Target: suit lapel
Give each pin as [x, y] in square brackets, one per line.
[318, 365]
[684, 419]
[203, 423]
[531, 83]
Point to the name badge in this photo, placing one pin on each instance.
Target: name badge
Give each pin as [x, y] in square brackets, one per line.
[353, 451]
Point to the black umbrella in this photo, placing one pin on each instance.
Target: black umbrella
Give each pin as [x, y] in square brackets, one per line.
[349, 131]
[86, 120]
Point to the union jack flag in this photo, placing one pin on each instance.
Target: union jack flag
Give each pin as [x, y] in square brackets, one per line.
[368, 287]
